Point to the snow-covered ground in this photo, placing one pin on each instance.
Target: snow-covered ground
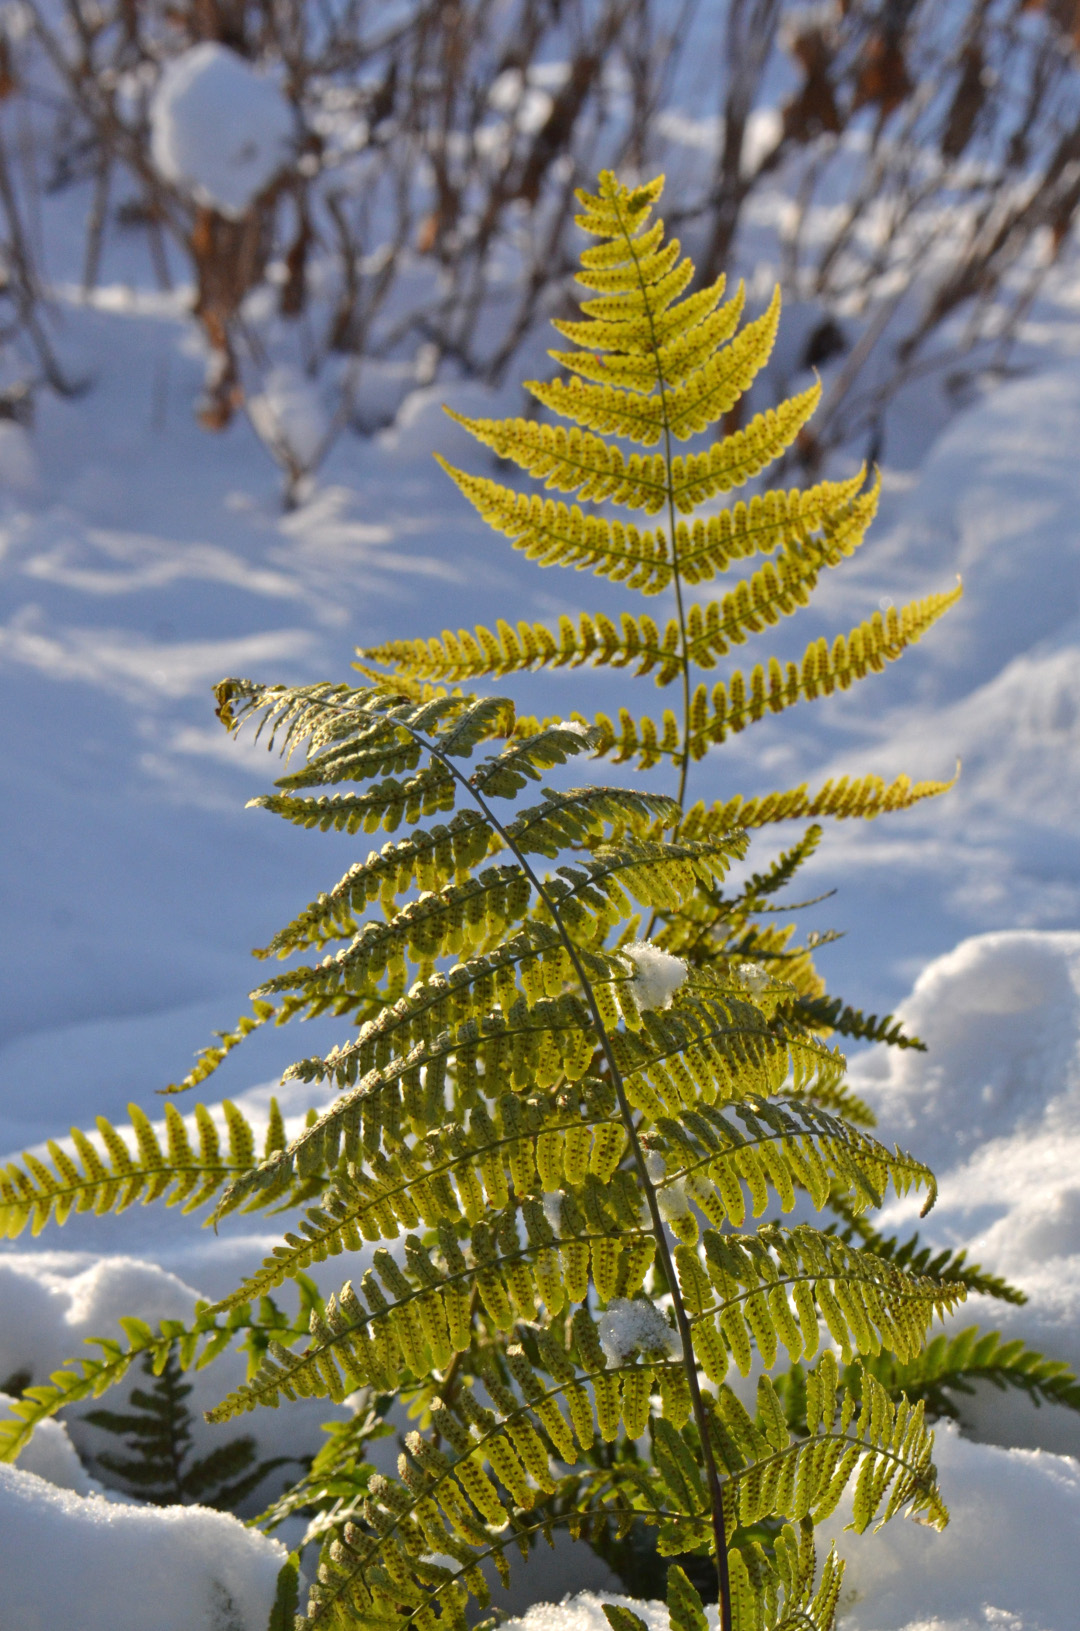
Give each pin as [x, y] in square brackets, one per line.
[141, 560]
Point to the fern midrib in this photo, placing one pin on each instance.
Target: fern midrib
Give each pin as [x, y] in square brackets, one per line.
[669, 493]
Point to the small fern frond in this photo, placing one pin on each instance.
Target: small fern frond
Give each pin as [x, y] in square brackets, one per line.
[111, 1178]
[574, 461]
[554, 534]
[951, 1365]
[833, 1014]
[208, 1059]
[944, 1264]
[860, 798]
[686, 409]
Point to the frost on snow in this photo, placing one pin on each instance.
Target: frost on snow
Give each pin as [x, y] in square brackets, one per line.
[69, 1560]
[657, 975]
[218, 129]
[634, 1326]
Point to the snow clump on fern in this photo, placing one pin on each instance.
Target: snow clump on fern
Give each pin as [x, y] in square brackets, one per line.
[634, 1326]
[657, 974]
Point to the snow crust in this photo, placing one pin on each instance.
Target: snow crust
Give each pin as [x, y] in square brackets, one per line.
[73, 1560]
[218, 129]
[658, 975]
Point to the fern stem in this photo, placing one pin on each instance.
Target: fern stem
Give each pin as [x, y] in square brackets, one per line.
[663, 1250]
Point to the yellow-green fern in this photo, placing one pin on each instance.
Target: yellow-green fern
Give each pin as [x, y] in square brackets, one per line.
[579, 1071]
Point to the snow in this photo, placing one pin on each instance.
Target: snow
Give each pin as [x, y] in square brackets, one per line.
[994, 1107]
[128, 1568]
[1005, 1562]
[629, 1326]
[997, 1567]
[51, 1455]
[658, 975]
[219, 130]
[54, 1302]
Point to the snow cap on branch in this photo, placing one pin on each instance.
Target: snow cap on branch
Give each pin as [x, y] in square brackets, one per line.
[657, 974]
[634, 1326]
[219, 130]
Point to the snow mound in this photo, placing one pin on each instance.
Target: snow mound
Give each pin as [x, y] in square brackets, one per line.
[128, 1568]
[1015, 1515]
[52, 1456]
[218, 129]
[52, 1303]
[994, 1107]
[658, 975]
[288, 414]
[1000, 1015]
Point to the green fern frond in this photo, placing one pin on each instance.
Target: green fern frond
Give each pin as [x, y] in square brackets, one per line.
[860, 798]
[685, 409]
[111, 1178]
[833, 1014]
[951, 1365]
[208, 1059]
[759, 602]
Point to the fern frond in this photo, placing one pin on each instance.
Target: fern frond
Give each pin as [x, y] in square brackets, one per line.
[112, 1176]
[709, 326]
[785, 520]
[431, 791]
[759, 602]
[833, 1014]
[574, 461]
[860, 798]
[780, 1146]
[711, 389]
[742, 455]
[208, 1059]
[868, 647]
[945, 1264]
[555, 534]
[952, 1365]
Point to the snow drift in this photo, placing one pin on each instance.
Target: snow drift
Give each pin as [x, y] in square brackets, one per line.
[72, 1560]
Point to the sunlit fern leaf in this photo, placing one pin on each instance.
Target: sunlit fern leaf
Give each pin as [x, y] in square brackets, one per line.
[952, 1365]
[449, 1501]
[554, 534]
[575, 461]
[861, 798]
[943, 1264]
[833, 1014]
[208, 1059]
[112, 1176]
[759, 602]
[772, 687]
[684, 409]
